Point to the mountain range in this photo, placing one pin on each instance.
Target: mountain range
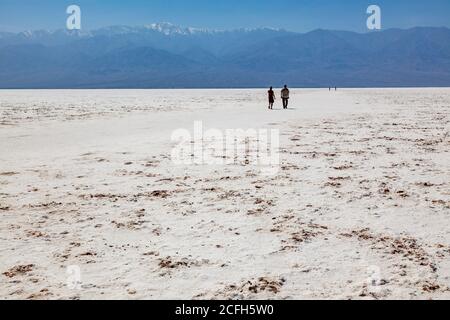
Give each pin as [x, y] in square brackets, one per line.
[167, 56]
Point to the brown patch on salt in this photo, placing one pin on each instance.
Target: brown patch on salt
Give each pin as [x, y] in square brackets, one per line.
[262, 285]
[8, 173]
[18, 270]
[407, 247]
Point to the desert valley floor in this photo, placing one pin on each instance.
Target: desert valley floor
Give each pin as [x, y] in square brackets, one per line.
[359, 209]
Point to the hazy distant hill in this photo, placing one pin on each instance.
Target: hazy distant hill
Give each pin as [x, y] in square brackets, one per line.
[164, 55]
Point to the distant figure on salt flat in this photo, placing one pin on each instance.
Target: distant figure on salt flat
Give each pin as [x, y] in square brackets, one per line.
[285, 97]
[271, 95]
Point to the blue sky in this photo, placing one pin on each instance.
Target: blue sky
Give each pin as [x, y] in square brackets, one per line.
[294, 15]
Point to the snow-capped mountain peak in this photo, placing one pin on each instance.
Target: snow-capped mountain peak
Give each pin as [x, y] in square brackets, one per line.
[171, 29]
[165, 28]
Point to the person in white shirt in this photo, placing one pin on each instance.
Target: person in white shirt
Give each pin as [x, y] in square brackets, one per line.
[285, 97]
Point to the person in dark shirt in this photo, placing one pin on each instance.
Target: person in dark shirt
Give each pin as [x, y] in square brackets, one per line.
[271, 95]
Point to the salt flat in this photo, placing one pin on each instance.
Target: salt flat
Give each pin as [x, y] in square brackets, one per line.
[359, 209]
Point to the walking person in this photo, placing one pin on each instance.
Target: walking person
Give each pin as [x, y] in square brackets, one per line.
[271, 95]
[285, 97]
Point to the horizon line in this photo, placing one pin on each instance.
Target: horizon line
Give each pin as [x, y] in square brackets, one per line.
[212, 30]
